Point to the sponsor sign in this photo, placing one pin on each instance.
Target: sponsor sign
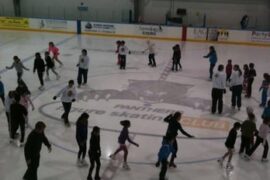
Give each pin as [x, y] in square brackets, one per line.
[199, 33]
[53, 24]
[260, 36]
[14, 22]
[150, 30]
[99, 27]
[223, 34]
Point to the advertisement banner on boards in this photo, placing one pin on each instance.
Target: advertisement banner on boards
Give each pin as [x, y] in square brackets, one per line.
[199, 33]
[99, 27]
[150, 30]
[223, 34]
[14, 22]
[260, 36]
[53, 24]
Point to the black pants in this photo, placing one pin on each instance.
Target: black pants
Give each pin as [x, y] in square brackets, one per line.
[82, 74]
[19, 76]
[94, 159]
[3, 99]
[122, 61]
[40, 77]
[245, 144]
[82, 149]
[211, 69]
[217, 99]
[236, 95]
[14, 127]
[152, 61]
[163, 170]
[259, 140]
[31, 172]
[67, 108]
[9, 125]
[249, 87]
[175, 64]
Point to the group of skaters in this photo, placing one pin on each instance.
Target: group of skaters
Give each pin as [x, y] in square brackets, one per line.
[17, 104]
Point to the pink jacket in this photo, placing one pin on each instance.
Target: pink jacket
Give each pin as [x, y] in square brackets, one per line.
[54, 50]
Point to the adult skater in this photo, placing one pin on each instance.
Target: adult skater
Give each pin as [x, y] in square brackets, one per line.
[17, 117]
[236, 83]
[94, 153]
[81, 137]
[173, 126]
[55, 53]
[212, 55]
[18, 65]
[151, 53]
[251, 75]
[83, 66]
[68, 95]
[219, 88]
[165, 150]
[32, 150]
[123, 51]
[39, 66]
[50, 66]
[124, 136]
[264, 89]
[230, 141]
[176, 57]
[266, 112]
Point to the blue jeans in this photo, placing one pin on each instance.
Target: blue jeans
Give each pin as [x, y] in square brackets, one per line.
[264, 96]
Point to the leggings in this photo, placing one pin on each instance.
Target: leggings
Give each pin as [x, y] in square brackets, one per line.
[82, 149]
[122, 147]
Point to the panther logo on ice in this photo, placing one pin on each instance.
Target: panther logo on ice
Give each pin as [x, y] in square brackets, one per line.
[151, 92]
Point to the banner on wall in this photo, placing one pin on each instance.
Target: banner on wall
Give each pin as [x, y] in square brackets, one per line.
[14, 22]
[260, 36]
[223, 34]
[150, 30]
[99, 27]
[200, 33]
[53, 24]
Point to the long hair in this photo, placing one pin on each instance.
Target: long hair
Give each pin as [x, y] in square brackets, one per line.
[82, 117]
[236, 66]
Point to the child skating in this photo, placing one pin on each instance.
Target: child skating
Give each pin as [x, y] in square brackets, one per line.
[124, 136]
[230, 141]
[55, 53]
[50, 66]
[264, 89]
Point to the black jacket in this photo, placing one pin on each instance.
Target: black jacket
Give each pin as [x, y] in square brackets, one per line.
[33, 144]
[39, 65]
[17, 112]
[94, 148]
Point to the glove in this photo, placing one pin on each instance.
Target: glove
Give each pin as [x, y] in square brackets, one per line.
[73, 100]
[224, 91]
[54, 97]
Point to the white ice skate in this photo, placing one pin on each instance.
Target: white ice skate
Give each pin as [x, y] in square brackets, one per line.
[220, 162]
[126, 166]
[47, 78]
[229, 166]
[58, 77]
[84, 163]
[112, 157]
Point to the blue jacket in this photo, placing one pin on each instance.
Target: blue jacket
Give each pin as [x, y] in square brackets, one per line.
[2, 89]
[212, 57]
[266, 113]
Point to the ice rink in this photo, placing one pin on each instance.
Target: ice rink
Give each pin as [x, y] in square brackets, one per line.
[142, 94]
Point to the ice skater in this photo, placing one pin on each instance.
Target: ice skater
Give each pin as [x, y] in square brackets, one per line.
[251, 75]
[55, 53]
[264, 89]
[176, 58]
[123, 51]
[39, 66]
[246, 71]
[2, 91]
[151, 53]
[236, 86]
[68, 95]
[248, 131]
[118, 44]
[81, 137]
[229, 68]
[165, 150]
[173, 126]
[94, 153]
[50, 66]
[17, 119]
[219, 88]
[266, 111]
[261, 139]
[18, 65]
[230, 142]
[32, 150]
[124, 136]
[83, 66]
[212, 55]
[8, 101]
